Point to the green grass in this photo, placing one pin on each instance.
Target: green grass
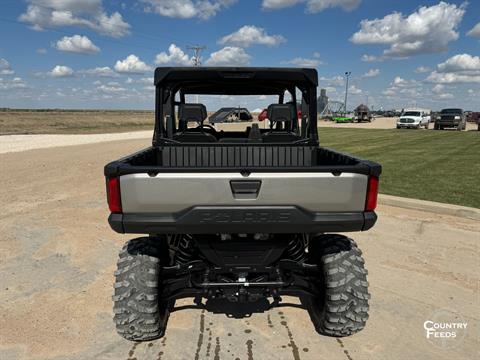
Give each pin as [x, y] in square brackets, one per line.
[441, 166]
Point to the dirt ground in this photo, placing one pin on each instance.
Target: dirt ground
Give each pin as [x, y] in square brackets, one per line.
[57, 256]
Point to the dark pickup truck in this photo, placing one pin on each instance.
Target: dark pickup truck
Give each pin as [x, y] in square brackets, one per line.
[239, 215]
[450, 118]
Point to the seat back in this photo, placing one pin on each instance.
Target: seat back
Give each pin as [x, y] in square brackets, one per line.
[284, 113]
[188, 113]
[281, 117]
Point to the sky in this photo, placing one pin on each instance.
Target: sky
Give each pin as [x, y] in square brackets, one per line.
[101, 54]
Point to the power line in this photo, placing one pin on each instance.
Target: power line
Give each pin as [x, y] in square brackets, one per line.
[97, 38]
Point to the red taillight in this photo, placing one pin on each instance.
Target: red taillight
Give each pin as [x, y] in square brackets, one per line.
[372, 191]
[113, 195]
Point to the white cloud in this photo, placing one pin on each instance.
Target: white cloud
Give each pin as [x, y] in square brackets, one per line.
[475, 31]
[187, 9]
[333, 81]
[15, 83]
[399, 85]
[312, 6]
[229, 56]
[444, 96]
[77, 44]
[427, 30]
[44, 14]
[111, 89]
[438, 89]
[452, 78]
[422, 69]
[61, 71]
[147, 80]
[104, 71]
[86, 6]
[389, 92]
[460, 63]
[370, 58]
[132, 65]
[306, 62]
[371, 73]
[5, 68]
[354, 90]
[251, 35]
[41, 51]
[175, 56]
[398, 81]
[461, 68]
[330, 89]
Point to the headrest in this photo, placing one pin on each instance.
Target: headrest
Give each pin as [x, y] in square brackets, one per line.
[281, 112]
[192, 113]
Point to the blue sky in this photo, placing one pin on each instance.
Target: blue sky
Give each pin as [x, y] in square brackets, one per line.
[101, 53]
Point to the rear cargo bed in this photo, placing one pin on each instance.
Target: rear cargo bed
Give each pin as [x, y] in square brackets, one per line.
[225, 188]
[248, 157]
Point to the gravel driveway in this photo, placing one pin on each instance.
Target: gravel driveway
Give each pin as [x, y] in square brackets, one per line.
[57, 256]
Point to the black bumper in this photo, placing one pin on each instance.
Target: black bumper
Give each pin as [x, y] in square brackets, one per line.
[242, 219]
[447, 123]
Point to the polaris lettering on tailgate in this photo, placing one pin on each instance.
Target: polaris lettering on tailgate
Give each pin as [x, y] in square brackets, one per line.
[245, 217]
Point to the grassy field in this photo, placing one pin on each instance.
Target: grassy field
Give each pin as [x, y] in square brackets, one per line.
[74, 122]
[441, 166]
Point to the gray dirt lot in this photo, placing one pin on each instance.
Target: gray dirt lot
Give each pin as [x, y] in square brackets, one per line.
[57, 256]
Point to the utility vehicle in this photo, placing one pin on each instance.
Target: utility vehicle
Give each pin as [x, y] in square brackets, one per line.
[239, 215]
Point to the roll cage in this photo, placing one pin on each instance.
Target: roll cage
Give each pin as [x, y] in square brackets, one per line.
[172, 84]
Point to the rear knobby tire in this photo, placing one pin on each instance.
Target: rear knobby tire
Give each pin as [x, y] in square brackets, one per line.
[139, 315]
[342, 308]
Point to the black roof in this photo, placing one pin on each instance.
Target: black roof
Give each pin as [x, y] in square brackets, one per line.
[234, 80]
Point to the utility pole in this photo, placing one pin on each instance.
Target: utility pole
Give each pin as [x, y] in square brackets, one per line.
[197, 49]
[347, 74]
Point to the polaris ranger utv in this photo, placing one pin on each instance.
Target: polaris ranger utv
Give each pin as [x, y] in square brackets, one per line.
[239, 215]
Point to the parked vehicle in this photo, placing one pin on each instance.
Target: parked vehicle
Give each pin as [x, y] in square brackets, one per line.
[414, 119]
[450, 118]
[240, 215]
[263, 115]
[342, 119]
[230, 114]
[473, 117]
[362, 113]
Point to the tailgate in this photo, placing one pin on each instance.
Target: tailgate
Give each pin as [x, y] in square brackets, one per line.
[175, 192]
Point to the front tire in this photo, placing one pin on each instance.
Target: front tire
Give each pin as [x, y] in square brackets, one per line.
[342, 308]
[139, 313]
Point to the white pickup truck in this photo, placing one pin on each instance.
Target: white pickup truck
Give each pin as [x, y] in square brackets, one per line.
[240, 215]
[414, 118]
